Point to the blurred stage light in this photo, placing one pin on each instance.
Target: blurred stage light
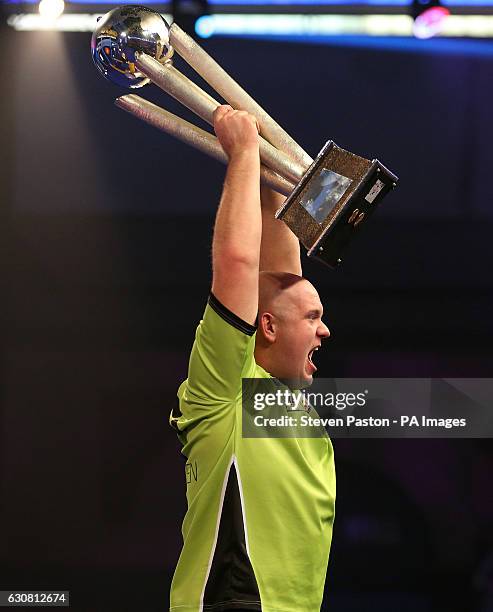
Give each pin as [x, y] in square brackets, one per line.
[51, 9]
[429, 18]
[303, 25]
[68, 22]
[293, 25]
[186, 13]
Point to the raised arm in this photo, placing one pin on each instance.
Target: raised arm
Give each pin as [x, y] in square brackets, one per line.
[238, 227]
[280, 249]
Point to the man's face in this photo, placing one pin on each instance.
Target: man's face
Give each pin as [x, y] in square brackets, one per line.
[299, 334]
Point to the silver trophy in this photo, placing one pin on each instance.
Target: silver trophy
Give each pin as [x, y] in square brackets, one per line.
[327, 198]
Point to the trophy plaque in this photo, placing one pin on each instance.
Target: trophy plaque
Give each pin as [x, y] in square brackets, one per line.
[339, 191]
[328, 199]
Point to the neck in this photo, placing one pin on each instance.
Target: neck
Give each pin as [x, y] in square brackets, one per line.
[265, 358]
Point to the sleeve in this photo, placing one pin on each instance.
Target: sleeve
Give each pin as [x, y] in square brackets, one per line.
[224, 345]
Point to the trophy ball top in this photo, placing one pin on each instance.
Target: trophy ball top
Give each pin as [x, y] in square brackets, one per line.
[123, 32]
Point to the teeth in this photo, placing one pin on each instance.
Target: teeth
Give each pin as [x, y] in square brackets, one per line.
[310, 354]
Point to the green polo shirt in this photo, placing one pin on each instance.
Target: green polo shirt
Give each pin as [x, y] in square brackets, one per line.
[258, 528]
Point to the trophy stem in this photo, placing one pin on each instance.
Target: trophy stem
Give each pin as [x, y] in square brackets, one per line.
[193, 136]
[202, 104]
[239, 99]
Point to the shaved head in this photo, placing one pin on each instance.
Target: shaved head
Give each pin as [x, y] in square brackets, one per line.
[290, 327]
[277, 290]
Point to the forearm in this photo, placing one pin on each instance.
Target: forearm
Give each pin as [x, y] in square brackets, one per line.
[280, 249]
[238, 227]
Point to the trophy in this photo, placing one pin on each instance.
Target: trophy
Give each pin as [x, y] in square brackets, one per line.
[328, 198]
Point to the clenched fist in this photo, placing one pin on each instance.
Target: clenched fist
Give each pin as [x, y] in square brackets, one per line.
[237, 131]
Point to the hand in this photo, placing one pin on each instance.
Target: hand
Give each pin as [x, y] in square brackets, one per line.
[237, 131]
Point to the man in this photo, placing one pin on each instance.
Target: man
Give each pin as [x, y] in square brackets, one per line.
[258, 528]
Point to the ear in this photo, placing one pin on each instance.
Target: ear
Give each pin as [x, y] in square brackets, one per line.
[268, 325]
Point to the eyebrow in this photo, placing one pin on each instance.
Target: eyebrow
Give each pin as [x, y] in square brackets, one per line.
[314, 311]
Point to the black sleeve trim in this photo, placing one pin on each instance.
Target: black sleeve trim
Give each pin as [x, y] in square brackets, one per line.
[230, 317]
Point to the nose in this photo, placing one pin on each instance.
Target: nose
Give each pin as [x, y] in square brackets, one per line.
[323, 331]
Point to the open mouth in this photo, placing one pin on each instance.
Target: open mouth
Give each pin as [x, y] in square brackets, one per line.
[310, 358]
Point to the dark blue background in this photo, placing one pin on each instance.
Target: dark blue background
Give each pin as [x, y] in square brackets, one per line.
[105, 234]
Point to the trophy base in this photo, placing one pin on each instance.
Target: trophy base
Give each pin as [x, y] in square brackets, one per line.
[333, 200]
